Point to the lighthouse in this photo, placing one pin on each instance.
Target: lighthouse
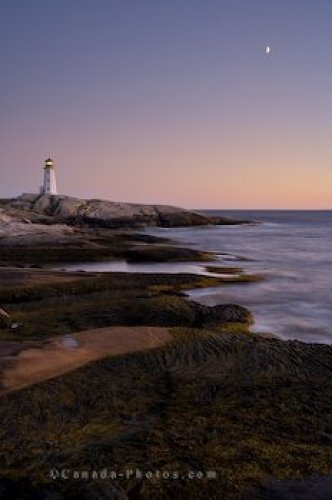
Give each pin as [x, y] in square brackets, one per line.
[49, 185]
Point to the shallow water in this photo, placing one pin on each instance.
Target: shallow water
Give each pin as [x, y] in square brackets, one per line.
[292, 249]
[126, 267]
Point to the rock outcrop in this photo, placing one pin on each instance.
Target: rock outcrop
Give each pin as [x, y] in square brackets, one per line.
[19, 230]
[168, 310]
[109, 213]
[225, 313]
[32, 219]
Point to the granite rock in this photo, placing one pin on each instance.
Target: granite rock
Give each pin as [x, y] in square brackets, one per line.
[109, 213]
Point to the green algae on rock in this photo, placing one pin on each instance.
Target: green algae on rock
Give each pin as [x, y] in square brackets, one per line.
[235, 404]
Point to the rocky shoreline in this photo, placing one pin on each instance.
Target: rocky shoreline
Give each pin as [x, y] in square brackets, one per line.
[215, 396]
[103, 213]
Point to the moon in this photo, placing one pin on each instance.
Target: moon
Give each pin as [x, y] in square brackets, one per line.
[267, 49]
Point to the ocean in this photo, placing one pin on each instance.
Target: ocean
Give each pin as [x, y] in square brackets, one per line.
[291, 248]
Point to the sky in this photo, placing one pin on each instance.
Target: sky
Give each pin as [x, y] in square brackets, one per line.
[169, 101]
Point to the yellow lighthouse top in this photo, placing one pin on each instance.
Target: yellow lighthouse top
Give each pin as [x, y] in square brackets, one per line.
[49, 163]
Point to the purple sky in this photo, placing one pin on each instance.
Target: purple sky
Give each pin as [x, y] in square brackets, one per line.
[169, 101]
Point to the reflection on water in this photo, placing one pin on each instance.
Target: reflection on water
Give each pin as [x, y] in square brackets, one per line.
[153, 267]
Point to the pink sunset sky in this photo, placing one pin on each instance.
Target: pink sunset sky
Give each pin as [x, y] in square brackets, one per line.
[169, 102]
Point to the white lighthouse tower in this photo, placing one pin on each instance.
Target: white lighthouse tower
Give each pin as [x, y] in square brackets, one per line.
[49, 185]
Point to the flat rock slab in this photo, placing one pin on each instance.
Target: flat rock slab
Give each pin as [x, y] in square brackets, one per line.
[30, 364]
[11, 277]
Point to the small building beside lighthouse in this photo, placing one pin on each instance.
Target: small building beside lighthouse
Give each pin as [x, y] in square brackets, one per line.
[49, 184]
